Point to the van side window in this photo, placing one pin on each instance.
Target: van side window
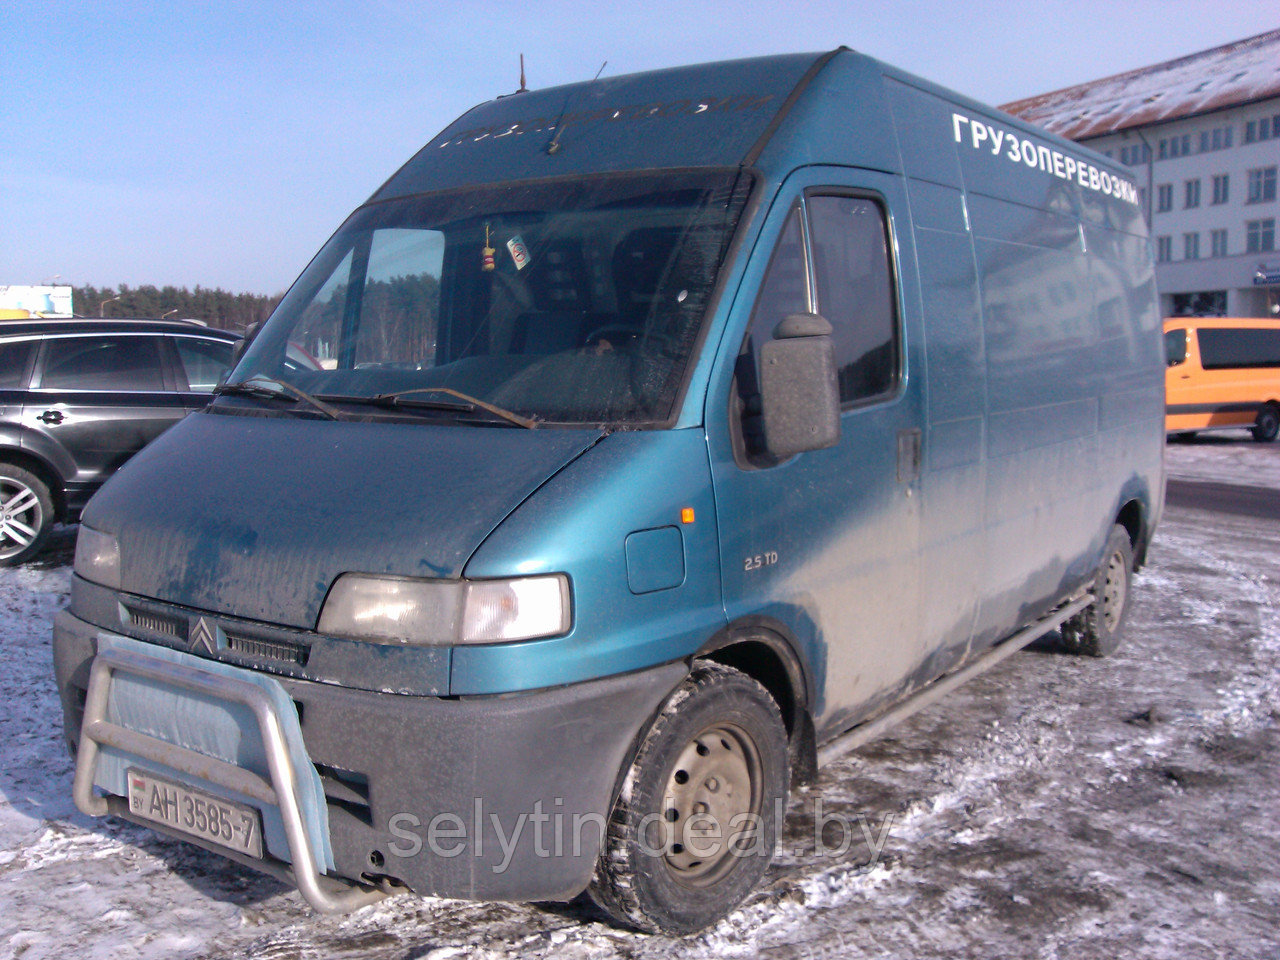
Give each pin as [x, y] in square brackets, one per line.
[843, 273]
[851, 272]
[1175, 347]
[1239, 348]
[785, 289]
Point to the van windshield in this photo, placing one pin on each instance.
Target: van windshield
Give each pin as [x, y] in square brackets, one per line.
[566, 301]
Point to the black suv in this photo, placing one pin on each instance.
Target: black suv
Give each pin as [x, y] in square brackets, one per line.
[80, 397]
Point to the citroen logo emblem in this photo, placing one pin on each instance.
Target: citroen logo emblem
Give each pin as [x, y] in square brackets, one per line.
[203, 635]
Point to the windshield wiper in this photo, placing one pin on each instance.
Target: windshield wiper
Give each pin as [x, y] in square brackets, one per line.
[260, 386]
[467, 403]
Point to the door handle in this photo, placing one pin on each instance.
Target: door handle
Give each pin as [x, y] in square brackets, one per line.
[908, 455]
[51, 416]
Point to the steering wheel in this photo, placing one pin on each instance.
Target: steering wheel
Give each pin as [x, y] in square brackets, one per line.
[614, 334]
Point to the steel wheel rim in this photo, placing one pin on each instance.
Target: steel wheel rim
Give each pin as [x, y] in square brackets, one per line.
[1113, 591]
[21, 517]
[718, 774]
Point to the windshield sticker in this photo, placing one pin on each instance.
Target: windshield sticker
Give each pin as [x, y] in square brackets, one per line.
[519, 252]
[1038, 156]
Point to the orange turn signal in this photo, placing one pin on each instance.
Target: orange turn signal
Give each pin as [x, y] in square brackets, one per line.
[686, 515]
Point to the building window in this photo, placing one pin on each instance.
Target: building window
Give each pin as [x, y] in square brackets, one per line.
[1219, 138]
[1142, 198]
[1267, 128]
[1191, 246]
[1260, 236]
[1164, 197]
[1218, 241]
[1135, 155]
[1205, 303]
[1164, 249]
[1262, 185]
[1221, 185]
[1192, 193]
[1175, 147]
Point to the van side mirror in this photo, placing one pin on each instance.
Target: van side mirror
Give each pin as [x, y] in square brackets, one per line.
[799, 392]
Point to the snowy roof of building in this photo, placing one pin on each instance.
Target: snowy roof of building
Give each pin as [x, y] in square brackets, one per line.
[1226, 76]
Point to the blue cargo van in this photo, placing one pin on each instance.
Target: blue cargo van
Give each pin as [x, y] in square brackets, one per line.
[637, 446]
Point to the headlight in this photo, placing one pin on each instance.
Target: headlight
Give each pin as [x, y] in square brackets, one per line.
[407, 610]
[98, 557]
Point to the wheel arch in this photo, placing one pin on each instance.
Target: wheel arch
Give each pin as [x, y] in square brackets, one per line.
[41, 468]
[763, 650]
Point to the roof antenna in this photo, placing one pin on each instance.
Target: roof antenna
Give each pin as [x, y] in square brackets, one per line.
[523, 88]
[554, 145]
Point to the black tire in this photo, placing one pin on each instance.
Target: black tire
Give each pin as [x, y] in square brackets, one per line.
[716, 752]
[26, 515]
[1267, 425]
[1097, 630]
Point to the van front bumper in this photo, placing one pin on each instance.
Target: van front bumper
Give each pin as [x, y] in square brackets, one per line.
[491, 798]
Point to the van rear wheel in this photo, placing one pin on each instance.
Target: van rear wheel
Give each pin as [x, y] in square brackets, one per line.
[694, 827]
[1096, 630]
[26, 514]
[1267, 425]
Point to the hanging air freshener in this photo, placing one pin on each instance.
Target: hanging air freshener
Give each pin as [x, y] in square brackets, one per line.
[487, 261]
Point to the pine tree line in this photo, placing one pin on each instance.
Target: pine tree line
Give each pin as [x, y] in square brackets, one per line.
[216, 307]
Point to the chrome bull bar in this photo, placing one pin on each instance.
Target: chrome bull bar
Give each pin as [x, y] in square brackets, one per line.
[323, 893]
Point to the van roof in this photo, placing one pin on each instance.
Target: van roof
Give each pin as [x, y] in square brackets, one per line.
[770, 113]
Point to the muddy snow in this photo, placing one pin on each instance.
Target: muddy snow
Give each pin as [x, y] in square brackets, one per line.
[1055, 807]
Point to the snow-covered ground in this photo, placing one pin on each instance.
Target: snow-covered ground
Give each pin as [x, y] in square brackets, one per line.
[1055, 807]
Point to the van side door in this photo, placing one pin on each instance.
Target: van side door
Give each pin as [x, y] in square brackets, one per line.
[824, 546]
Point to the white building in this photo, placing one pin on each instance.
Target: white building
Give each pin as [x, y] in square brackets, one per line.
[1202, 136]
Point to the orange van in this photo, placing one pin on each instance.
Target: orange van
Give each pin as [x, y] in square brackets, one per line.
[1222, 372]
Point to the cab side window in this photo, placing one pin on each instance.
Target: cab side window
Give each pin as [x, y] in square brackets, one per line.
[1175, 347]
[833, 259]
[850, 250]
[102, 363]
[784, 291]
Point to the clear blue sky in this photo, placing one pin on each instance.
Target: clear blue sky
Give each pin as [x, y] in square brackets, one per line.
[221, 143]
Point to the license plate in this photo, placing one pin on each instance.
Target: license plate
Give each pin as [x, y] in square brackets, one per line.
[236, 826]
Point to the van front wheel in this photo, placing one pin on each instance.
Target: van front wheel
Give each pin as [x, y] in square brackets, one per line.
[694, 827]
[1267, 425]
[1096, 630]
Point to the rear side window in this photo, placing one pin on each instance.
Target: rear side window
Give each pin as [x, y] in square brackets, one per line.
[1175, 347]
[13, 364]
[102, 363]
[1239, 348]
[203, 361]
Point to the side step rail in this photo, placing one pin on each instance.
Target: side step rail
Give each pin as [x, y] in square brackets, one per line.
[280, 791]
[866, 732]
